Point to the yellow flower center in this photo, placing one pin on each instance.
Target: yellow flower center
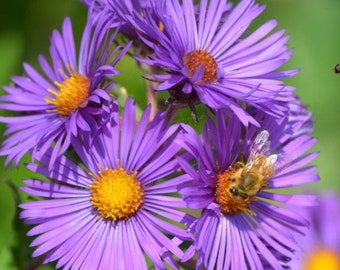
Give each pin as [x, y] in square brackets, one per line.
[115, 194]
[161, 26]
[73, 92]
[324, 259]
[199, 57]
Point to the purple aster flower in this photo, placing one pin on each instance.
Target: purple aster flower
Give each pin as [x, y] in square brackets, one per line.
[122, 12]
[118, 205]
[142, 18]
[66, 97]
[208, 54]
[130, 8]
[321, 245]
[238, 170]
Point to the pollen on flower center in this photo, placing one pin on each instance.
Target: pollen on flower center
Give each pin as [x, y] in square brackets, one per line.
[322, 258]
[199, 57]
[226, 182]
[115, 194]
[73, 92]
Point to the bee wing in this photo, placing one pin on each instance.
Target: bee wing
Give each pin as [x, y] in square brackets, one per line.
[272, 159]
[261, 144]
[282, 163]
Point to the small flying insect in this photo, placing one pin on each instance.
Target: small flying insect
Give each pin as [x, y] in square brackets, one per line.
[252, 176]
[337, 68]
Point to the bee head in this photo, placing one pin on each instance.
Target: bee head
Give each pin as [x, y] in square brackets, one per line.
[234, 191]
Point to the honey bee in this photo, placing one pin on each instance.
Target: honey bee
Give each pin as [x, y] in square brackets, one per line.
[252, 176]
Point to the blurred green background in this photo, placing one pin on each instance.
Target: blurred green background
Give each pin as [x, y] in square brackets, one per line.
[25, 27]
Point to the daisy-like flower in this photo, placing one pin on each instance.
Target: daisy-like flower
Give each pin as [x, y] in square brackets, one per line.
[209, 54]
[117, 208]
[321, 245]
[67, 96]
[242, 223]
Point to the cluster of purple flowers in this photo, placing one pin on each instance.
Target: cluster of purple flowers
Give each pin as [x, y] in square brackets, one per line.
[134, 192]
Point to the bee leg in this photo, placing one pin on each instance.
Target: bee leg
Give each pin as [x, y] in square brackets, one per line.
[243, 195]
[238, 165]
[241, 158]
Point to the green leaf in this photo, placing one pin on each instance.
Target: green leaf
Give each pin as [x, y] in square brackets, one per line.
[7, 211]
[11, 43]
[6, 260]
